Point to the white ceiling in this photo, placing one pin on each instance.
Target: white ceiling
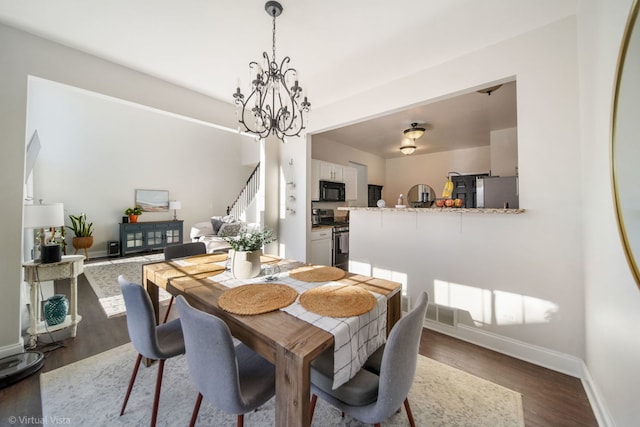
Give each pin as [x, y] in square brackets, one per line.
[459, 122]
[340, 47]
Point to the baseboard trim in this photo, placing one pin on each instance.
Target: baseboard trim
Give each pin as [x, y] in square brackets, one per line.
[595, 398]
[537, 355]
[10, 350]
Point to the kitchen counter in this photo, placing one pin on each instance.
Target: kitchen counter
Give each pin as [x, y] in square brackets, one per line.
[320, 227]
[437, 210]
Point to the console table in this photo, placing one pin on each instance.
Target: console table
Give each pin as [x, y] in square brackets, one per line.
[34, 273]
[146, 236]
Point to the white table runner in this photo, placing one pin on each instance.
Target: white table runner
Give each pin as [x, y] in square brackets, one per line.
[356, 338]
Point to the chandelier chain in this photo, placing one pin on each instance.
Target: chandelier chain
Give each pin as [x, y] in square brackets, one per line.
[274, 38]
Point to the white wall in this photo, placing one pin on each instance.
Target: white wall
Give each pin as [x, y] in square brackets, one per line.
[536, 255]
[96, 151]
[504, 152]
[21, 55]
[431, 169]
[612, 309]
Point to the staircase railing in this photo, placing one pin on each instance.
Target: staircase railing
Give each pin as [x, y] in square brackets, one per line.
[246, 195]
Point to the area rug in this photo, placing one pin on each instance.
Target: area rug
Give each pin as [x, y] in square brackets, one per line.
[103, 278]
[90, 392]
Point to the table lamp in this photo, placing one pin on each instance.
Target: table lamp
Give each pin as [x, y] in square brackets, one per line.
[45, 216]
[175, 205]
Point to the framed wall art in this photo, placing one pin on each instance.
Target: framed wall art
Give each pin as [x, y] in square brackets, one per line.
[153, 200]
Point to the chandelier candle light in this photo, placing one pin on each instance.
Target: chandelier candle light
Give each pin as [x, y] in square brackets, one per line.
[276, 104]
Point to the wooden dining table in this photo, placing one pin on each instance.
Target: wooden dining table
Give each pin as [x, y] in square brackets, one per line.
[286, 341]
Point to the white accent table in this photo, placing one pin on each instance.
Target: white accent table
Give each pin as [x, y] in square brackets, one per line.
[34, 273]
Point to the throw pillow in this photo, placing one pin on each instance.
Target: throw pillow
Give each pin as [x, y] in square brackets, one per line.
[230, 229]
[216, 223]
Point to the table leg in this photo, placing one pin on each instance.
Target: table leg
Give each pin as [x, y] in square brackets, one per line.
[152, 290]
[73, 305]
[292, 389]
[34, 312]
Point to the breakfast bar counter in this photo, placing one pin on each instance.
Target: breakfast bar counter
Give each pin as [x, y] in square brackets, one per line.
[438, 210]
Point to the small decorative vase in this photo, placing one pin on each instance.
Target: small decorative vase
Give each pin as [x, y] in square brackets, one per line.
[245, 265]
[133, 218]
[55, 309]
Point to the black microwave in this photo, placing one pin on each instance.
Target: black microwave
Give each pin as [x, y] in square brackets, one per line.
[331, 191]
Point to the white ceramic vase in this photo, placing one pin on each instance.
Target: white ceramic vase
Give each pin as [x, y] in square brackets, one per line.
[245, 265]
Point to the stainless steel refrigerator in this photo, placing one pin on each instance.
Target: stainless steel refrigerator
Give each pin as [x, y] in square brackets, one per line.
[497, 192]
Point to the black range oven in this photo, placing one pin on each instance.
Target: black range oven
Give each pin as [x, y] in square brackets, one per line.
[341, 246]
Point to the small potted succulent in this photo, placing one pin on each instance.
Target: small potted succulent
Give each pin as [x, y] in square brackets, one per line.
[83, 232]
[133, 213]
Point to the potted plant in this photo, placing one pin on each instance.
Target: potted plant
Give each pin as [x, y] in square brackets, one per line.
[246, 249]
[83, 233]
[133, 213]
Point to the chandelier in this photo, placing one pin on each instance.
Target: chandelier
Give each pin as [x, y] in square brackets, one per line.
[276, 104]
[413, 133]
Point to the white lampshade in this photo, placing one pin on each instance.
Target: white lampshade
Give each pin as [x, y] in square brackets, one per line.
[44, 215]
[175, 204]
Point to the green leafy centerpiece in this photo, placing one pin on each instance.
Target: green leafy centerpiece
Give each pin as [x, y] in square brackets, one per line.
[246, 249]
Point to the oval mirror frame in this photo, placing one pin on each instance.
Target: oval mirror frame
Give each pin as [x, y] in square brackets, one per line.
[415, 198]
[625, 144]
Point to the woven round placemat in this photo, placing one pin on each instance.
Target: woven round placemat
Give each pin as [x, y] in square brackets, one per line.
[317, 273]
[257, 298]
[338, 301]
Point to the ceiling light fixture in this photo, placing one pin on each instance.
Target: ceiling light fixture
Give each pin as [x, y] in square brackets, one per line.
[414, 133]
[272, 107]
[407, 149]
[489, 90]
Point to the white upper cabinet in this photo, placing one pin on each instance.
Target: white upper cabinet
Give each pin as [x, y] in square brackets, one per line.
[331, 172]
[350, 183]
[325, 171]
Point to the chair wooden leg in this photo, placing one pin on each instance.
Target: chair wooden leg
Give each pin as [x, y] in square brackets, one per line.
[241, 420]
[412, 423]
[166, 315]
[312, 407]
[156, 399]
[131, 381]
[196, 409]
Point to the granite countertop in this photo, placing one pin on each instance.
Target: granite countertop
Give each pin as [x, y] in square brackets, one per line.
[437, 210]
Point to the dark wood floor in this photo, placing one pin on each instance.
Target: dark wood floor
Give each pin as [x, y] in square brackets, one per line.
[549, 398]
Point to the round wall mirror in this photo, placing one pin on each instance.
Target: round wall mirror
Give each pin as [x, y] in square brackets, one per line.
[421, 196]
[625, 142]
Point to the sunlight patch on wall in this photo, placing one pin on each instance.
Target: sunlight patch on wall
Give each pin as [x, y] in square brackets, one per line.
[282, 253]
[358, 267]
[487, 306]
[282, 203]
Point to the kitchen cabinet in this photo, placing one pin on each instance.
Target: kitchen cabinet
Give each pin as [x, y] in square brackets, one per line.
[326, 171]
[321, 246]
[350, 183]
[331, 172]
[375, 194]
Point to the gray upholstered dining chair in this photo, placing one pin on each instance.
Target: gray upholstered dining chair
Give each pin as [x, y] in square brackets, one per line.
[154, 342]
[232, 378]
[370, 396]
[181, 250]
